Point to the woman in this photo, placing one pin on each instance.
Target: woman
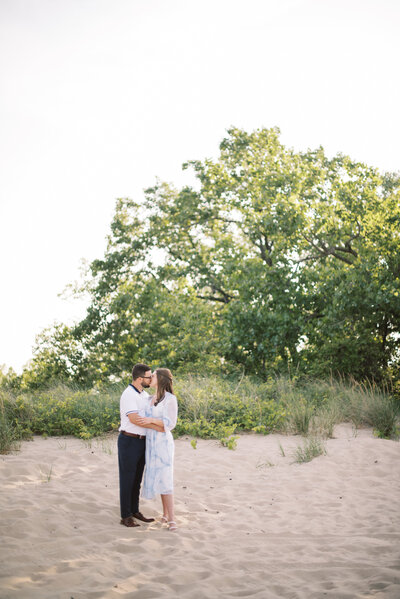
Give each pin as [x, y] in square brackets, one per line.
[160, 420]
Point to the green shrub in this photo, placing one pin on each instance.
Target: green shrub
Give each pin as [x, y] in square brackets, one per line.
[229, 442]
[62, 411]
[215, 407]
[203, 429]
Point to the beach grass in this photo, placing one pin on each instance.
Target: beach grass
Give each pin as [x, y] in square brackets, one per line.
[312, 448]
[211, 407]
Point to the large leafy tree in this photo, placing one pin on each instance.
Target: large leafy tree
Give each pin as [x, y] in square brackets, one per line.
[274, 259]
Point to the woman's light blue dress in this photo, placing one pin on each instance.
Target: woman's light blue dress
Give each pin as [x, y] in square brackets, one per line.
[159, 474]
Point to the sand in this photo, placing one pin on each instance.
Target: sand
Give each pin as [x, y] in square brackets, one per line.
[251, 522]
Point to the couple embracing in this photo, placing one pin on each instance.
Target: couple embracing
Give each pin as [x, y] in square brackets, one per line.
[145, 443]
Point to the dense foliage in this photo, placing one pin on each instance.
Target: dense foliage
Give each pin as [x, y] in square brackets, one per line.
[276, 260]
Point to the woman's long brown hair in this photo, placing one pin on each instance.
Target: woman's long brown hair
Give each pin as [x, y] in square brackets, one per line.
[164, 383]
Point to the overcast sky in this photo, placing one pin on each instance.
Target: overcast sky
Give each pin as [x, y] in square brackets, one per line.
[100, 97]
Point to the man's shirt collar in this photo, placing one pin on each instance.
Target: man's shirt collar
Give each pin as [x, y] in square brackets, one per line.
[137, 390]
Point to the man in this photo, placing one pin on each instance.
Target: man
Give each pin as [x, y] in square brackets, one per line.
[132, 445]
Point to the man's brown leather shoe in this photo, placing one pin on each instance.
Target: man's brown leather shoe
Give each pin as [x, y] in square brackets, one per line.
[139, 516]
[129, 522]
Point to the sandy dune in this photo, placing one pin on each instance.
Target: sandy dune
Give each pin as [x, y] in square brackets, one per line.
[251, 522]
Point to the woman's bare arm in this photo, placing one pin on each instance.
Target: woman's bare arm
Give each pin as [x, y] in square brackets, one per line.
[155, 423]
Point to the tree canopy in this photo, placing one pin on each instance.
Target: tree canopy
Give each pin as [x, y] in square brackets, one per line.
[275, 259]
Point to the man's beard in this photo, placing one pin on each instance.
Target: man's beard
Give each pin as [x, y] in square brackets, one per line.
[145, 385]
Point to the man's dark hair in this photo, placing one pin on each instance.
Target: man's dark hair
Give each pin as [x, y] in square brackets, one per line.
[139, 370]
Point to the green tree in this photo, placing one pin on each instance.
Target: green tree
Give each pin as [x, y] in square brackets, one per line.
[57, 356]
[275, 259]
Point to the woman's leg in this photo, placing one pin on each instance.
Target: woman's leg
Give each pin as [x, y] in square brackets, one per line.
[165, 509]
[168, 504]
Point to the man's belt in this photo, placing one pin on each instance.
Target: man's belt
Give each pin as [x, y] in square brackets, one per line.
[133, 435]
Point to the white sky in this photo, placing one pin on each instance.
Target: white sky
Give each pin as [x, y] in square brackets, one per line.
[100, 97]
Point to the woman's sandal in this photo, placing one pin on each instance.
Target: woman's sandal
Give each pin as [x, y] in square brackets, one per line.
[164, 520]
[171, 527]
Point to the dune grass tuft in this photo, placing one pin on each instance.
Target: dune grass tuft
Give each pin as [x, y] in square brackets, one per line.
[311, 448]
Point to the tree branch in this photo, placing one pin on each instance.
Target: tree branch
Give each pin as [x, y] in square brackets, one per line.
[325, 250]
[314, 315]
[204, 271]
[213, 298]
[265, 248]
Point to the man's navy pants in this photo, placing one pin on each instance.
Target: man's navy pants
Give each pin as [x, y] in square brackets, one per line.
[131, 457]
